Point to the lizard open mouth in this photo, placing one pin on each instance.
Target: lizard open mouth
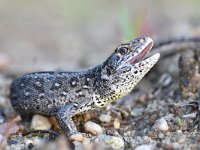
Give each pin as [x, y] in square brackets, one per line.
[141, 54]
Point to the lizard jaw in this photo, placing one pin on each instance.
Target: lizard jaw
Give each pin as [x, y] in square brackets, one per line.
[142, 52]
[153, 59]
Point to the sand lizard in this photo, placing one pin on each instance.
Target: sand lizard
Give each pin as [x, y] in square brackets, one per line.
[65, 94]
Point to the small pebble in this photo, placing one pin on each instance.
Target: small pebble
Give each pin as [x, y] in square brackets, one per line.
[10, 142]
[192, 115]
[176, 145]
[168, 116]
[76, 137]
[165, 79]
[146, 139]
[112, 141]
[181, 141]
[3, 142]
[161, 125]
[179, 131]
[29, 143]
[2, 119]
[105, 118]
[144, 147]
[116, 123]
[62, 143]
[167, 133]
[137, 111]
[3, 101]
[93, 128]
[78, 145]
[87, 144]
[86, 141]
[161, 135]
[86, 117]
[40, 123]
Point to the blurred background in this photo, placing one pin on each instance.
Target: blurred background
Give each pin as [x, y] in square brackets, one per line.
[65, 35]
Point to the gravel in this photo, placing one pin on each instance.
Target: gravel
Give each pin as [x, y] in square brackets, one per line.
[112, 141]
[40, 123]
[76, 137]
[93, 128]
[145, 147]
[105, 118]
[161, 125]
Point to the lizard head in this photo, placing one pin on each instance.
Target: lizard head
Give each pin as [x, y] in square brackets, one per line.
[125, 68]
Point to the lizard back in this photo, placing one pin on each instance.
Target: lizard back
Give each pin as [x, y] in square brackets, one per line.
[46, 92]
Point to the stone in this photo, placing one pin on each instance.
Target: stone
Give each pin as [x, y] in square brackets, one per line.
[116, 123]
[161, 125]
[3, 142]
[93, 128]
[105, 118]
[144, 147]
[112, 141]
[76, 137]
[40, 123]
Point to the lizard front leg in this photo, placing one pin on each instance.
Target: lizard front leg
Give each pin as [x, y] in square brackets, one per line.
[64, 117]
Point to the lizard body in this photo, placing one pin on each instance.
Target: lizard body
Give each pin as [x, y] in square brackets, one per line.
[65, 94]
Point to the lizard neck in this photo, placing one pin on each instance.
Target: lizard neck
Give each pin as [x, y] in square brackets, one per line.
[104, 89]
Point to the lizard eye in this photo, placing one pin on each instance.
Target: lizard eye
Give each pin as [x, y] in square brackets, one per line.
[123, 50]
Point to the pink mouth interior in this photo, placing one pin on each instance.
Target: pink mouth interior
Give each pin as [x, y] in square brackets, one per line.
[141, 55]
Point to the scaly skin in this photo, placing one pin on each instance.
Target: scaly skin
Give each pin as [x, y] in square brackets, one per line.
[65, 94]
